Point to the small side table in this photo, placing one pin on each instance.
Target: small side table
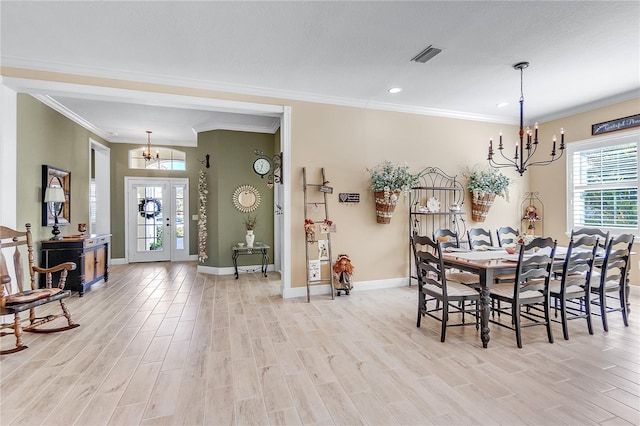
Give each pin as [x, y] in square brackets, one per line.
[258, 248]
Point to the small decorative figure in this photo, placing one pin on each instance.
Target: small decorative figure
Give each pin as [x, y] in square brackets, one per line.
[310, 230]
[343, 270]
[530, 214]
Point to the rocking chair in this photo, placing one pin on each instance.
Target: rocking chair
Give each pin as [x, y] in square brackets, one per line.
[13, 303]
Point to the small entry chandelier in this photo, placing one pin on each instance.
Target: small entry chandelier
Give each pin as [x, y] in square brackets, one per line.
[146, 154]
[521, 160]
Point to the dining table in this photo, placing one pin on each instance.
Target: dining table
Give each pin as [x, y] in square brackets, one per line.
[487, 264]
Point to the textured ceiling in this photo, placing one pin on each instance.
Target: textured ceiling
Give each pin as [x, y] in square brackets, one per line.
[582, 54]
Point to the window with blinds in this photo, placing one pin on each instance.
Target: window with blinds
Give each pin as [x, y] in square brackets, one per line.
[603, 184]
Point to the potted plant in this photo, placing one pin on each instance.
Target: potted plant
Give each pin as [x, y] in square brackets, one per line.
[250, 224]
[388, 180]
[485, 184]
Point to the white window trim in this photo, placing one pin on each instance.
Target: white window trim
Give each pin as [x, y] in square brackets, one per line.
[616, 138]
[135, 151]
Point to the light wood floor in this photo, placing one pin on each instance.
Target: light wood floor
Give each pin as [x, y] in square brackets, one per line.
[162, 344]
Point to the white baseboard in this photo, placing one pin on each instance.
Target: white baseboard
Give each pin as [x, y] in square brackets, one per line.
[124, 261]
[230, 270]
[357, 286]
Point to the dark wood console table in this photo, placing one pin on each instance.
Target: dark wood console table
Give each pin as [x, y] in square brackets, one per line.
[90, 253]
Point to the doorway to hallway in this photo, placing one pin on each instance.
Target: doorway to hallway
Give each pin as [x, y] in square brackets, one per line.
[157, 219]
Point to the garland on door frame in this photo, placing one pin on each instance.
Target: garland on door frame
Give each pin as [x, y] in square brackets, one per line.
[202, 217]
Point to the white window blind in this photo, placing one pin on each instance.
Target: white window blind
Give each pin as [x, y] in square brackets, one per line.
[604, 185]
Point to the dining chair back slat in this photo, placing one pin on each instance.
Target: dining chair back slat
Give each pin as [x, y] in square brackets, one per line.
[479, 238]
[446, 238]
[506, 235]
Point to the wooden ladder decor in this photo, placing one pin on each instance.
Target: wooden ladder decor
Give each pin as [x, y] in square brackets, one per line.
[319, 216]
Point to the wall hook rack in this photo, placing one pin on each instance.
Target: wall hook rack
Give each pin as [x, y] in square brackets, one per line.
[205, 162]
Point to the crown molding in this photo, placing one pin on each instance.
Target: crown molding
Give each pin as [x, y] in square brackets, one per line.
[57, 106]
[600, 103]
[207, 127]
[243, 89]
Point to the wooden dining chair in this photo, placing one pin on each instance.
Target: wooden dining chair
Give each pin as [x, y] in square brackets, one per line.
[479, 238]
[603, 237]
[572, 291]
[530, 289]
[610, 281]
[507, 235]
[433, 284]
[447, 238]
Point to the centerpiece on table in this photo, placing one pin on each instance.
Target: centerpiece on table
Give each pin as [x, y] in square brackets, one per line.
[388, 180]
[485, 184]
[250, 224]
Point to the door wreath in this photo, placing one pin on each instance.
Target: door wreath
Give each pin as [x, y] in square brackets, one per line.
[149, 208]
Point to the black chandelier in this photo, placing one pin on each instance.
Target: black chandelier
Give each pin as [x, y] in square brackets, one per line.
[146, 154]
[521, 160]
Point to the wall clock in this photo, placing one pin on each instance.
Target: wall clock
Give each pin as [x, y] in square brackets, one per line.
[261, 166]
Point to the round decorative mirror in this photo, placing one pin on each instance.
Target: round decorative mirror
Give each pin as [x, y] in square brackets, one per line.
[246, 198]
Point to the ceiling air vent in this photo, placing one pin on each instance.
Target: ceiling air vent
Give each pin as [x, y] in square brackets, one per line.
[426, 54]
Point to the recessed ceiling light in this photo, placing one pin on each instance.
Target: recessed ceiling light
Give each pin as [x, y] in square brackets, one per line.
[502, 104]
[395, 90]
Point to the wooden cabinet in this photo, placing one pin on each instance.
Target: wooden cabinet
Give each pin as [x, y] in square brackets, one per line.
[89, 253]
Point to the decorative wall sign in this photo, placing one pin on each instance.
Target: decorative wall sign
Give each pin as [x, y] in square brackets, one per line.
[349, 197]
[323, 250]
[613, 125]
[314, 270]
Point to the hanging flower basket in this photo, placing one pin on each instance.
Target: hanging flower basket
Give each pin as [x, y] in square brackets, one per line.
[480, 206]
[387, 181]
[385, 205]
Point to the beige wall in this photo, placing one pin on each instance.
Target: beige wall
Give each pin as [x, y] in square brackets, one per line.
[346, 141]
[550, 180]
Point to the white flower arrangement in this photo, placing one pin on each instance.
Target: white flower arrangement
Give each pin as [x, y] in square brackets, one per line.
[389, 177]
[202, 216]
[485, 180]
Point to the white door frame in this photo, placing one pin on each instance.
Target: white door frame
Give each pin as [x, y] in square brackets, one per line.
[173, 253]
[102, 175]
[9, 86]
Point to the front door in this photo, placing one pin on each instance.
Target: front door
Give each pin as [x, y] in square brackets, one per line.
[157, 225]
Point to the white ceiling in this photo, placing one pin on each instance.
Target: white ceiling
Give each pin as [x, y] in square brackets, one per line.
[583, 54]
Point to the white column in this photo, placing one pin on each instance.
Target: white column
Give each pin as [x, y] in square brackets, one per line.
[8, 155]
